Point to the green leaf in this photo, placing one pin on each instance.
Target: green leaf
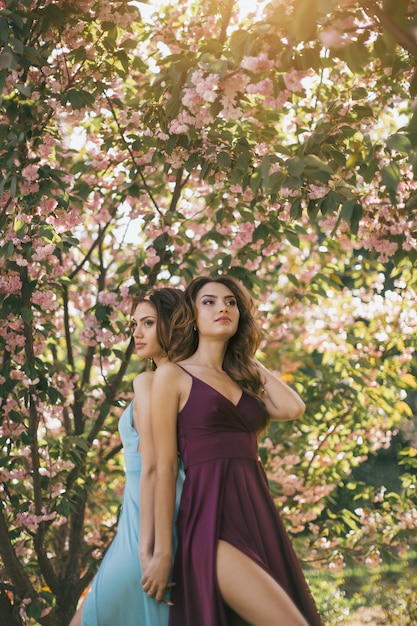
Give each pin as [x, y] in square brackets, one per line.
[356, 56]
[357, 214]
[8, 249]
[104, 408]
[362, 111]
[292, 237]
[78, 98]
[391, 175]
[223, 160]
[400, 143]
[26, 314]
[8, 59]
[311, 161]
[360, 93]
[347, 210]
[34, 609]
[275, 181]
[265, 171]
[331, 202]
[173, 104]
[368, 171]
[295, 166]
[120, 354]
[4, 31]
[101, 312]
[296, 209]
[293, 279]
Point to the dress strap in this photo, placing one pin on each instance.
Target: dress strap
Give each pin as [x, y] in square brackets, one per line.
[185, 370]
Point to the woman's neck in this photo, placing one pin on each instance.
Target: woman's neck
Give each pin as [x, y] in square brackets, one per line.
[209, 354]
[160, 359]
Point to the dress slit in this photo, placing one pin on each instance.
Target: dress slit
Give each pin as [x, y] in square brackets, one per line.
[226, 497]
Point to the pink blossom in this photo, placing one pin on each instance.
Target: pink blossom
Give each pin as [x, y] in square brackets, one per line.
[206, 86]
[177, 128]
[152, 258]
[234, 84]
[331, 38]
[258, 64]
[292, 80]
[107, 298]
[317, 192]
[261, 149]
[191, 99]
[46, 300]
[30, 172]
[21, 262]
[28, 187]
[264, 87]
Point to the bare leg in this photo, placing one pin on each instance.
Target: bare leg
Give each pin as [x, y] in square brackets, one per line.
[77, 619]
[251, 592]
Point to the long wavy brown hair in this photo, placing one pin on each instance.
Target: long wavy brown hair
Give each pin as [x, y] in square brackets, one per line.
[165, 301]
[241, 348]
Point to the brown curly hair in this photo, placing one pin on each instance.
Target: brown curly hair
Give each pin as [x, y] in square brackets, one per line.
[241, 348]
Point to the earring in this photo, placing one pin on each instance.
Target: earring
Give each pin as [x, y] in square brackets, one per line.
[195, 329]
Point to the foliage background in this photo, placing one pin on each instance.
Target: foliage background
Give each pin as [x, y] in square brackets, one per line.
[143, 146]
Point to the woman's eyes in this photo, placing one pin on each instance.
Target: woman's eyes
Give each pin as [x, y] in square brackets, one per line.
[228, 302]
[133, 325]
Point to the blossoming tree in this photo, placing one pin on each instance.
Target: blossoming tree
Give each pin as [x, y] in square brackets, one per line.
[139, 148]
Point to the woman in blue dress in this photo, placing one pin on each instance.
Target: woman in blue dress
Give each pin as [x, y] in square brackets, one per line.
[115, 597]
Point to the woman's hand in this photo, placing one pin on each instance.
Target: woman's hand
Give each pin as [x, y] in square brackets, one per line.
[155, 579]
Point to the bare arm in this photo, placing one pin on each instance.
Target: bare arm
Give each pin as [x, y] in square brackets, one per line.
[142, 386]
[282, 402]
[164, 409]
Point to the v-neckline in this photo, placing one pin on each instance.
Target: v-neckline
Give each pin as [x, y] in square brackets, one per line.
[219, 393]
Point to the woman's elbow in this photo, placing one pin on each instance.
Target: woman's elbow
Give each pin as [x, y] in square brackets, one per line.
[299, 409]
[289, 412]
[167, 472]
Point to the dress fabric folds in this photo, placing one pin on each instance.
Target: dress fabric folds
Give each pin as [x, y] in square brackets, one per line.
[226, 496]
[115, 597]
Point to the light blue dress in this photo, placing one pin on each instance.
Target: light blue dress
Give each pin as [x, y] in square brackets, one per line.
[115, 597]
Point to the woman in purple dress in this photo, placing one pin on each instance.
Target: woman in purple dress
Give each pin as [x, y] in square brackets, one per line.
[235, 563]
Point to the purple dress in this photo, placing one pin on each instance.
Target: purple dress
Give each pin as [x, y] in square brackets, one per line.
[226, 496]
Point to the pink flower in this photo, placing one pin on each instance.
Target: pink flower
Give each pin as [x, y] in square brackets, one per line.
[331, 38]
[292, 80]
[258, 64]
[317, 192]
[107, 298]
[30, 172]
[206, 87]
[264, 87]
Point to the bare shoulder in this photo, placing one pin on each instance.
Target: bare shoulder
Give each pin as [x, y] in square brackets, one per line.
[143, 382]
[170, 377]
[167, 371]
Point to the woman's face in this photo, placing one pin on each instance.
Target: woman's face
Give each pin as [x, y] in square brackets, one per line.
[143, 328]
[217, 311]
